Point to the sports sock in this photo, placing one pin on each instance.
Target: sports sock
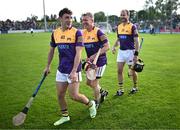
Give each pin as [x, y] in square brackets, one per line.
[121, 86]
[101, 90]
[89, 104]
[65, 113]
[135, 84]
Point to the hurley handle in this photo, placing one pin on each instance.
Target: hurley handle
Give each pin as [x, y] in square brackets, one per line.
[97, 56]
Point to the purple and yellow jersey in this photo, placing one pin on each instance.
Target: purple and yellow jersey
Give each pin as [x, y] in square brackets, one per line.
[92, 44]
[66, 42]
[126, 34]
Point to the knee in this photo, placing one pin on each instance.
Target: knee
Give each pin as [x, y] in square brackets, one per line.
[92, 84]
[74, 97]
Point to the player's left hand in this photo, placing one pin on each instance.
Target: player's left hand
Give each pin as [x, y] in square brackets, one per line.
[113, 50]
[135, 59]
[91, 58]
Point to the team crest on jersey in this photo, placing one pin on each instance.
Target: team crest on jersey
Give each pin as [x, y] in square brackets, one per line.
[68, 39]
[63, 37]
[90, 38]
[93, 38]
[123, 30]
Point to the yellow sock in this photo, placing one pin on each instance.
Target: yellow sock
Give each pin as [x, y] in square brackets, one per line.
[135, 84]
[121, 87]
[65, 113]
[89, 104]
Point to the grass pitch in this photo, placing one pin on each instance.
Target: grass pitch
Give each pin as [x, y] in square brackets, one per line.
[156, 106]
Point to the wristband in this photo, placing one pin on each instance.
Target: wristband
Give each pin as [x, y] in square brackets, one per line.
[136, 53]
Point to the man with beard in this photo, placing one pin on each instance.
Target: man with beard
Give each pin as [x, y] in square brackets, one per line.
[127, 38]
[69, 43]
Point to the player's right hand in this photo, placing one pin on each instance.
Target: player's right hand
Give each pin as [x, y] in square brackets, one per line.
[47, 70]
[73, 76]
[113, 50]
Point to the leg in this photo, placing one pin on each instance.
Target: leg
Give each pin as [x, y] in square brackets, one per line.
[75, 95]
[61, 92]
[134, 74]
[99, 74]
[134, 78]
[120, 66]
[121, 60]
[99, 93]
[94, 84]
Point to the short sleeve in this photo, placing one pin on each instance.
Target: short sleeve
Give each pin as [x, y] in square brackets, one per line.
[52, 42]
[79, 34]
[133, 31]
[99, 34]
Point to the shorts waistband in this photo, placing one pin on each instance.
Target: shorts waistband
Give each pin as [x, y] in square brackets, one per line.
[125, 49]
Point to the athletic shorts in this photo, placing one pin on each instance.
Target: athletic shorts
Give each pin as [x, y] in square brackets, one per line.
[62, 77]
[100, 71]
[125, 56]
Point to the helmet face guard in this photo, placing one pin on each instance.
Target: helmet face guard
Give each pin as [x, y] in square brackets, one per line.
[138, 66]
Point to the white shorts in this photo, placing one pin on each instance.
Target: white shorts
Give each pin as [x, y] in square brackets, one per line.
[125, 56]
[100, 71]
[62, 77]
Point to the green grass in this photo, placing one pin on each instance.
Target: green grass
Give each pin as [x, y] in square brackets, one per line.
[156, 105]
